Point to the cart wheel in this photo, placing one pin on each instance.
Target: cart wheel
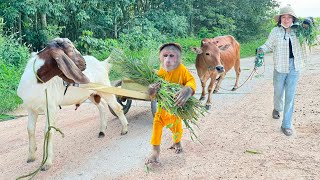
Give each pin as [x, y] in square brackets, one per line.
[124, 102]
[154, 106]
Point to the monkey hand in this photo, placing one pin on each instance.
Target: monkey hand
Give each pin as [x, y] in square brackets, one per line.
[153, 90]
[183, 95]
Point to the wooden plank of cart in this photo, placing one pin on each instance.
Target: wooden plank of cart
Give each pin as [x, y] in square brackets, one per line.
[125, 90]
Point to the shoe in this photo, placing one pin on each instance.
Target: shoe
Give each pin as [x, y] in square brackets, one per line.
[287, 131]
[275, 114]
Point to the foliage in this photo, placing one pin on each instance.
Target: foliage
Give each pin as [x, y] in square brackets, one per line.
[146, 53]
[188, 56]
[9, 80]
[5, 117]
[253, 19]
[169, 23]
[306, 32]
[249, 48]
[13, 58]
[12, 52]
[35, 22]
[143, 36]
[94, 46]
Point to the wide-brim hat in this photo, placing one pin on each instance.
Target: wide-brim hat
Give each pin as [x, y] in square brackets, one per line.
[285, 10]
[170, 44]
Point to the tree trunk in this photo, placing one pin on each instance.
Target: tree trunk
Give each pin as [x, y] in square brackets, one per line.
[115, 28]
[19, 27]
[43, 21]
[36, 20]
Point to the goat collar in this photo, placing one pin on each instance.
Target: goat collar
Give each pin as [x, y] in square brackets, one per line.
[67, 84]
[34, 71]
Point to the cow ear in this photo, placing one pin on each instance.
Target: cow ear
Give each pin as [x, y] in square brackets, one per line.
[69, 69]
[224, 47]
[196, 50]
[203, 42]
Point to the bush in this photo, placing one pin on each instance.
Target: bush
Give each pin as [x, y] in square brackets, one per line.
[9, 79]
[13, 58]
[98, 48]
[169, 23]
[188, 56]
[12, 52]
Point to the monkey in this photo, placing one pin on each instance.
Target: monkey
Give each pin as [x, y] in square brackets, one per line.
[171, 70]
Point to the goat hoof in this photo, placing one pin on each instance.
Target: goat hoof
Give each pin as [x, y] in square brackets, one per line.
[215, 91]
[124, 133]
[233, 89]
[45, 167]
[201, 98]
[31, 160]
[101, 135]
[208, 107]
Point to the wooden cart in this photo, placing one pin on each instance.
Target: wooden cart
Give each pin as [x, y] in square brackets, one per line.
[125, 90]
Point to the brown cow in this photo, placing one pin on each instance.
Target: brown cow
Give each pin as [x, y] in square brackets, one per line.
[215, 58]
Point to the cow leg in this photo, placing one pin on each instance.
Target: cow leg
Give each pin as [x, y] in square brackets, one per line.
[32, 120]
[101, 105]
[210, 89]
[216, 89]
[117, 109]
[52, 119]
[238, 71]
[203, 93]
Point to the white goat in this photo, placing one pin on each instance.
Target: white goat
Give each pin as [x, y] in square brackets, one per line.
[62, 59]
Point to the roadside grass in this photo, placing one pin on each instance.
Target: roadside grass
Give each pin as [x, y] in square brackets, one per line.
[5, 117]
[249, 48]
[9, 79]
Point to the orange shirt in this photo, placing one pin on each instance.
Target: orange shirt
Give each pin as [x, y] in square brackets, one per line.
[180, 75]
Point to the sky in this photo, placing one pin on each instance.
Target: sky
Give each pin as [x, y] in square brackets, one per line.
[303, 8]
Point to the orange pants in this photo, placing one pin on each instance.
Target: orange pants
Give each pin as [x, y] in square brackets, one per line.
[161, 119]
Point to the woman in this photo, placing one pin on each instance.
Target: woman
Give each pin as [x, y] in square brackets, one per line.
[288, 56]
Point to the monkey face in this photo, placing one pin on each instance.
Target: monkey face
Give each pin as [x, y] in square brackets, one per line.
[169, 59]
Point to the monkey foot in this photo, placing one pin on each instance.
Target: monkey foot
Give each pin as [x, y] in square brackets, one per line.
[153, 159]
[177, 147]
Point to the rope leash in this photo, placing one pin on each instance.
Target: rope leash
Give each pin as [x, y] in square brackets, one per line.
[259, 61]
[46, 139]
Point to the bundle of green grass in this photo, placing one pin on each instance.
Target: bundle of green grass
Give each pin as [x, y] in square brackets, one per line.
[142, 71]
[306, 31]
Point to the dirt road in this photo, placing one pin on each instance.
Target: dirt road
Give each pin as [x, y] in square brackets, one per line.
[238, 122]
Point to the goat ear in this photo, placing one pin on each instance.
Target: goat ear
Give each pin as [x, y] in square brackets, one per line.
[58, 40]
[69, 69]
[196, 50]
[224, 47]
